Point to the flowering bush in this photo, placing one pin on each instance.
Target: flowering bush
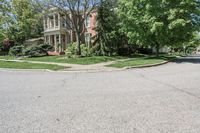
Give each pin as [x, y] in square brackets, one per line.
[7, 44]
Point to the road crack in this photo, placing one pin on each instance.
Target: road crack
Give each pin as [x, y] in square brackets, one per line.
[171, 86]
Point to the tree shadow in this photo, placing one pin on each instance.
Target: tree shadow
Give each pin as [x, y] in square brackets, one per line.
[194, 59]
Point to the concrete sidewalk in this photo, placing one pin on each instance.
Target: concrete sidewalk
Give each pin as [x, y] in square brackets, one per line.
[75, 67]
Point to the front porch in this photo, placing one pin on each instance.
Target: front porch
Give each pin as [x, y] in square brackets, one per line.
[58, 41]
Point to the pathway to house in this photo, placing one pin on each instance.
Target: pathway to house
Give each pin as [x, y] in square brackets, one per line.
[162, 99]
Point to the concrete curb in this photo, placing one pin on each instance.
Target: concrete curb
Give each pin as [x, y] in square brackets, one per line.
[59, 71]
[151, 65]
[33, 70]
[145, 66]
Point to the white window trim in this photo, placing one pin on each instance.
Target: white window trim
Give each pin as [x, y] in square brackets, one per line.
[88, 38]
[89, 23]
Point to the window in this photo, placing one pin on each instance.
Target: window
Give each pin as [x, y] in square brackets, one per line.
[47, 39]
[68, 38]
[66, 22]
[52, 23]
[45, 23]
[87, 22]
[57, 38]
[63, 39]
[56, 19]
[87, 39]
[64, 25]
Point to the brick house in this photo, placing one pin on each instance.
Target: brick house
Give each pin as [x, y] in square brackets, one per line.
[58, 34]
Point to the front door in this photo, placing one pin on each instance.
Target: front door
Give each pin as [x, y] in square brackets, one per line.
[64, 42]
[52, 40]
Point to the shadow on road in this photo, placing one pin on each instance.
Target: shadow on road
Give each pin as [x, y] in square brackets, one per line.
[195, 59]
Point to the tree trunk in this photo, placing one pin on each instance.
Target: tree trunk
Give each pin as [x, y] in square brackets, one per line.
[157, 49]
[78, 47]
[102, 51]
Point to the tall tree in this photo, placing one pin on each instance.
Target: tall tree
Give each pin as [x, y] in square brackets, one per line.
[159, 22]
[28, 19]
[76, 12]
[4, 17]
[20, 20]
[107, 27]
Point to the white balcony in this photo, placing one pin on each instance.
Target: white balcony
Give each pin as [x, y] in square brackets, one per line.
[54, 22]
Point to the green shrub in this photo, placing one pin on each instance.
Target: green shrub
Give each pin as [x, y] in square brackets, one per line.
[46, 47]
[71, 50]
[95, 50]
[16, 51]
[190, 50]
[39, 50]
[85, 51]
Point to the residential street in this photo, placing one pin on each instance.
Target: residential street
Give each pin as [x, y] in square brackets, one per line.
[162, 99]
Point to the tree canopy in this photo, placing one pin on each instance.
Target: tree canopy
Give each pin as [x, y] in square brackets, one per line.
[159, 22]
[146, 23]
[20, 20]
[108, 27]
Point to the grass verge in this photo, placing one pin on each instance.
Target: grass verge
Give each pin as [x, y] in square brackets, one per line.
[143, 61]
[80, 61]
[26, 65]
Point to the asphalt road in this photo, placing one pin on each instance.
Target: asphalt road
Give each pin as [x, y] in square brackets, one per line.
[163, 99]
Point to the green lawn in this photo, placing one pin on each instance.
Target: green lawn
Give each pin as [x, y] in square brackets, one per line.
[133, 61]
[81, 61]
[143, 61]
[25, 65]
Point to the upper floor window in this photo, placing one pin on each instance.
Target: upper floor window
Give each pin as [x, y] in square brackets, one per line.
[51, 23]
[45, 23]
[64, 24]
[87, 22]
[56, 19]
[51, 20]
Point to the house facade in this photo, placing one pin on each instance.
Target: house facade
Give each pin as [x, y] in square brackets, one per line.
[59, 35]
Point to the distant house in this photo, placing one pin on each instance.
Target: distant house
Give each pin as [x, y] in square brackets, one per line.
[58, 34]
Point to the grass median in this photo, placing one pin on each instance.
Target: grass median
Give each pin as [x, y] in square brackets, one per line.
[26, 65]
[143, 61]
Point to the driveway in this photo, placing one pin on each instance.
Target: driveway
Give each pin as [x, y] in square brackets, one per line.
[163, 99]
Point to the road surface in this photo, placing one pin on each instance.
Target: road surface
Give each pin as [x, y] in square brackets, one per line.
[162, 99]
